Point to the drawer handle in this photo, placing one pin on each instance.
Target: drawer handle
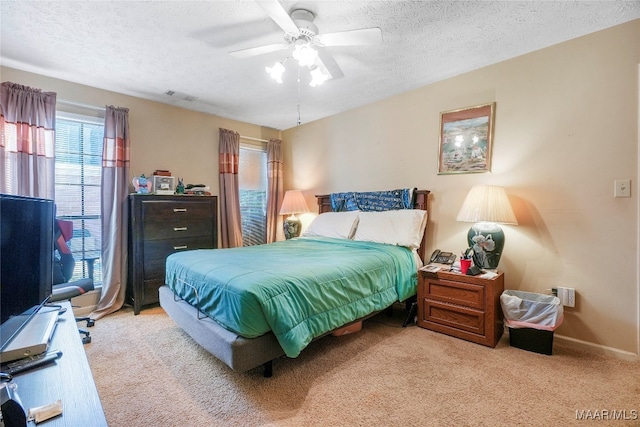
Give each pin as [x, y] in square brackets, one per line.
[179, 228]
[179, 209]
[179, 247]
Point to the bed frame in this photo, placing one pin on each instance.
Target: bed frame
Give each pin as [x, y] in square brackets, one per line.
[239, 353]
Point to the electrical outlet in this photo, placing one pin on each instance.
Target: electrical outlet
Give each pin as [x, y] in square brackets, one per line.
[567, 296]
[622, 188]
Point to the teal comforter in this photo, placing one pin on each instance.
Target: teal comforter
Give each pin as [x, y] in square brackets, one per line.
[299, 289]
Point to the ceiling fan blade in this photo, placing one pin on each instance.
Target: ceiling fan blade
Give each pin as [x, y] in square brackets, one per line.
[318, 63]
[280, 16]
[328, 64]
[364, 36]
[260, 50]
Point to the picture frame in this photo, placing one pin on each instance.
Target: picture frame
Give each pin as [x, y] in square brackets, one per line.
[466, 140]
[164, 185]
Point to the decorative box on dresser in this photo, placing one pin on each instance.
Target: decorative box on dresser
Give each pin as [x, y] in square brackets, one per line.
[466, 307]
[159, 226]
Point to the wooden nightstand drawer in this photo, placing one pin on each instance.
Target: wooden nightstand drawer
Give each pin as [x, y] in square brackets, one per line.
[458, 317]
[462, 306]
[465, 294]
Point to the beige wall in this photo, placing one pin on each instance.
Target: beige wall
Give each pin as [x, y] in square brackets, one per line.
[566, 127]
[162, 136]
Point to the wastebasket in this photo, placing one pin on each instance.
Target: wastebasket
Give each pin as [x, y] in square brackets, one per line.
[531, 319]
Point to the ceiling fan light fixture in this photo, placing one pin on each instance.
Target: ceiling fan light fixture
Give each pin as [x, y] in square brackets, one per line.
[276, 71]
[318, 77]
[301, 32]
[304, 53]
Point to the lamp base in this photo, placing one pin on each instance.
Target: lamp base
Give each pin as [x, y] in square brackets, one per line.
[487, 241]
[291, 227]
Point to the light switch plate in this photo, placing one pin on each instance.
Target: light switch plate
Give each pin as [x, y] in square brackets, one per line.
[622, 188]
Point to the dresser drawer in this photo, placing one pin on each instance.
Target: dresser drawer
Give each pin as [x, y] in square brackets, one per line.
[157, 251]
[188, 227]
[466, 294]
[150, 290]
[190, 208]
[454, 316]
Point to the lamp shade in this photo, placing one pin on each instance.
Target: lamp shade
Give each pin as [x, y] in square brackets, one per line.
[487, 203]
[293, 203]
[486, 206]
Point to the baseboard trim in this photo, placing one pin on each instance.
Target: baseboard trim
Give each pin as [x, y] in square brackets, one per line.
[596, 348]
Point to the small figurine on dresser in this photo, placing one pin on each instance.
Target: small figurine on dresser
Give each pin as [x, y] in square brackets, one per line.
[180, 187]
[141, 184]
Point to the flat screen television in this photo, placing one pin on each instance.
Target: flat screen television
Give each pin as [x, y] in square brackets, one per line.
[26, 261]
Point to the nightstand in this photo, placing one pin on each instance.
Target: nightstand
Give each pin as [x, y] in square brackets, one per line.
[466, 307]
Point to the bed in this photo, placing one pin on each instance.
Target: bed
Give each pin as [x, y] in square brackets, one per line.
[248, 306]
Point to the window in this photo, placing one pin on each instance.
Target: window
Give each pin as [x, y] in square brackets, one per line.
[78, 152]
[252, 178]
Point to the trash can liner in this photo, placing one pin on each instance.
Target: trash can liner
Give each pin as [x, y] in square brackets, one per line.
[530, 310]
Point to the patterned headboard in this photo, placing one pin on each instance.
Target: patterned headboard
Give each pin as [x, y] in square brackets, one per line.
[420, 202]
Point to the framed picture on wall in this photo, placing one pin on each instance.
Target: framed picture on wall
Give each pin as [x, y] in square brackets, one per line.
[466, 139]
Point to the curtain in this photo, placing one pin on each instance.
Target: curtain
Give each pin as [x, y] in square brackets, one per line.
[27, 141]
[114, 210]
[274, 187]
[230, 220]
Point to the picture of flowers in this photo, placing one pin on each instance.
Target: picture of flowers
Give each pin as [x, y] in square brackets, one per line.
[466, 137]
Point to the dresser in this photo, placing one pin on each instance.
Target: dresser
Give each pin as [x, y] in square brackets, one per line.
[466, 307]
[158, 227]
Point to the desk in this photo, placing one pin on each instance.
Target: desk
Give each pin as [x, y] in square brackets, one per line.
[69, 379]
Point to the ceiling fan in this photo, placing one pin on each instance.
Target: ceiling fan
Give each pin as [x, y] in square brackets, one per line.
[301, 33]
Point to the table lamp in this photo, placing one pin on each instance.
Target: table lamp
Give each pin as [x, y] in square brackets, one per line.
[486, 206]
[292, 204]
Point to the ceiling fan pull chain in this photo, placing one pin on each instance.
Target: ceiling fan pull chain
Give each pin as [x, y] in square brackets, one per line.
[299, 120]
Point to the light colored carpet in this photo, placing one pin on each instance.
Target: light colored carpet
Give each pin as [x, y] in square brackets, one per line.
[150, 373]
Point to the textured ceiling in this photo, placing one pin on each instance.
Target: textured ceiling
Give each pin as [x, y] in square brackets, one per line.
[145, 48]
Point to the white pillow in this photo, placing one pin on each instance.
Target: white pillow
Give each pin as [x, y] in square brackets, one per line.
[339, 225]
[403, 227]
